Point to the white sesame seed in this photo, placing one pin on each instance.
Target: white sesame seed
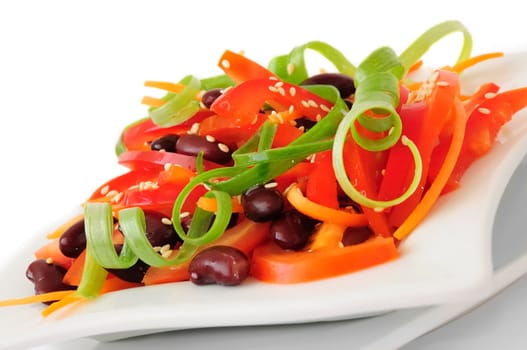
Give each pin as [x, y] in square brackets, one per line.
[255, 119]
[489, 95]
[210, 138]
[166, 253]
[312, 103]
[273, 89]
[318, 117]
[184, 214]
[291, 109]
[273, 78]
[305, 103]
[226, 64]
[279, 84]
[442, 83]
[105, 190]
[378, 210]
[166, 221]
[194, 129]
[325, 108]
[133, 187]
[167, 166]
[483, 110]
[164, 248]
[281, 91]
[223, 147]
[271, 185]
[49, 261]
[157, 248]
[117, 197]
[302, 128]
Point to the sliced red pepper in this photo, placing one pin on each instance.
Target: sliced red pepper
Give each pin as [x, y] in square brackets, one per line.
[139, 135]
[271, 263]
[242, 103]
[155, 160]
[438, 107]
[227, 131]
[239, 68]
[322, 185]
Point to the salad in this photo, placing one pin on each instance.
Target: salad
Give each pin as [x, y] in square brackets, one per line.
[275, 174]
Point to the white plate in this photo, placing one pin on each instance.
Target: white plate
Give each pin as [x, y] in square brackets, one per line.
[446, 259]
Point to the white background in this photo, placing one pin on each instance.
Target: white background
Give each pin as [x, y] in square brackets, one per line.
[72, 73]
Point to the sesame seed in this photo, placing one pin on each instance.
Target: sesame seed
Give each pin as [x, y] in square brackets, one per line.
[378, 210]
[290, 68]
[226, 64]
[167, 166]
[305, 103]
[484, 110]
[49, 261]
[223, 147]
[255, 119]
[184, 214]
[210, 138]
[273, 78]
[279, 84]
[489, 95]
[112, 193]
[281, 91]
[105, 189]
[157, 248]
[271, 185]
[166, 221]
[312, 103]
[302, 128]
[291, 109]
[292, 91]
[442, 83]
[318, 117]
[164, 248]
[273, 89]
[133, 187]
[117, 197]
[166, 253]
[325, 108]
[194, 129]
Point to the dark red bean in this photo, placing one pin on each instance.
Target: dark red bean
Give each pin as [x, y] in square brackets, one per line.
[166, 143]
[291, 230]
[262, 204]
[134, 273]
[221, 265]
[47, 277]
[342, 82]
[210, 96]
[356, 235]
[158, 232]
[73, 241]
[212, 149]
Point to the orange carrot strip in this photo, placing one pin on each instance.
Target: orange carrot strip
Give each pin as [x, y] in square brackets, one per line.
[415, 66]
[163, 85]
[211, 205]
[461, 66]
[328, 235]
[433, 193]
[60, 230]
[152, 101]
[69, 299]
[39, 298]
[321, 212]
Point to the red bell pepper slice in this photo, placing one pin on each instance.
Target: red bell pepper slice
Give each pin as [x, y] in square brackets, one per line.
[242, 103]
[155, 160]
[239, 68]
[139, 135]
[322, 187]
[270, 263]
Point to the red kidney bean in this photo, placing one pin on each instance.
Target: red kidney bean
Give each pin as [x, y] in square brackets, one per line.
[291, 230]
[223, 265]
[47, 277]
[134, 273]
[356, 235]
[212, 149]
[342, 82]
[166, 143]
[210, 96]
[262, 204]
[73, 240]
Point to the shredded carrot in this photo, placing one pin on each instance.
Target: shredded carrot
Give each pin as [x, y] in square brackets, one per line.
[433, 193]
[211, 205]
[39, 298]
[67, 300]
[321, 212]
[163, 85]
[328, 235]
[60, 230]
[152, 101]
[461, 66]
